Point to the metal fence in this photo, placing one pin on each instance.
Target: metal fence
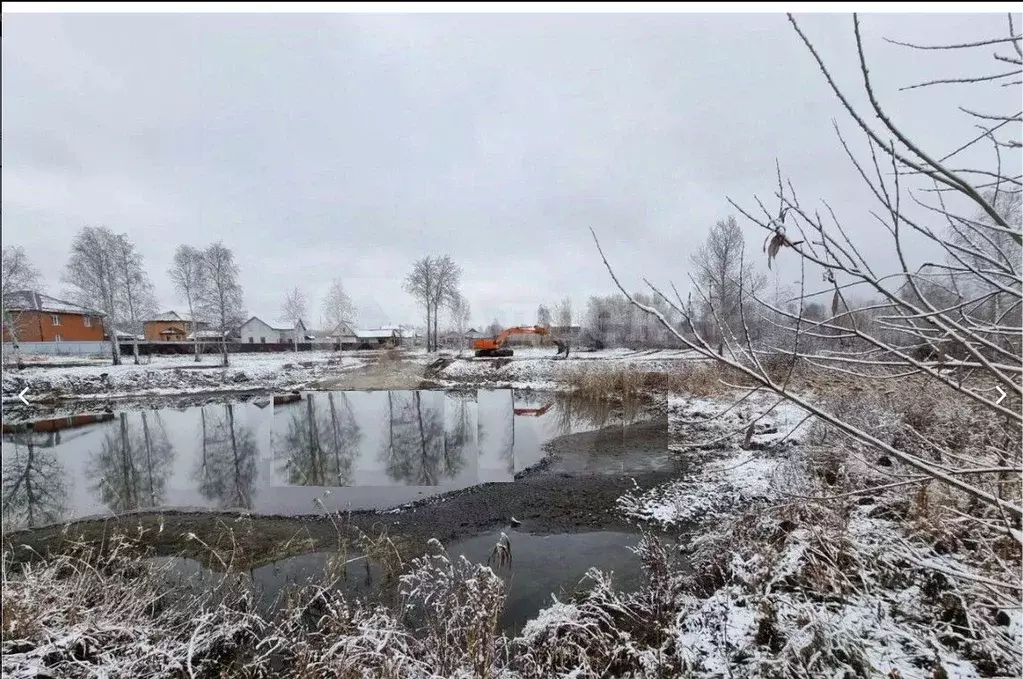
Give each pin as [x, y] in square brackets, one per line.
[60, 348]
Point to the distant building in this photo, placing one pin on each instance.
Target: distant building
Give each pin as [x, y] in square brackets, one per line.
[171, 326]
[257, 331]
[35, 317]
[377, 338]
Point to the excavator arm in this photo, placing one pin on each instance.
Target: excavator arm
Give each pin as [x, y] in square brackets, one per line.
[494, 346]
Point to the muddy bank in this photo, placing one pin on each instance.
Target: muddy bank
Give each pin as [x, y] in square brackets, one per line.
[541, 500]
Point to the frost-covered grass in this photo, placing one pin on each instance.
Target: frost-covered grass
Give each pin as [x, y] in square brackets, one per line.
[181, 374]
[814, 557]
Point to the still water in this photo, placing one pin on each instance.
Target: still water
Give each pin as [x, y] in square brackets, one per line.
[325, 450]
[542, 566]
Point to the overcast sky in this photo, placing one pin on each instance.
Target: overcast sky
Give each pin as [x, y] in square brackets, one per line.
[342, 145]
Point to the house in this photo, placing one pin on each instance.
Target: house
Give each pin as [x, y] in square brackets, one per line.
[257, 331]
[35, 317]
[170, 326]
[377, 338]
[407, 335]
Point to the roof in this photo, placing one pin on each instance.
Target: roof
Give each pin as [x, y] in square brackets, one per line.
[257, 318]
[376, 333]
[170, 317]
[30, 300]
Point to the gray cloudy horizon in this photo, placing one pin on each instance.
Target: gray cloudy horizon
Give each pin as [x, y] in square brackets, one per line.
[344, 145]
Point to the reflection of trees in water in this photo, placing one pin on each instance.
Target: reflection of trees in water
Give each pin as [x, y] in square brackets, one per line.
[571, 410]
[320, 444]
[226, 470]
[33, 484]
[130, 469]
[503, 436]
[458, 435]
[415, 450]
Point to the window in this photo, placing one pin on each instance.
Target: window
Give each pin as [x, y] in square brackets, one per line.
[262, 340]
[88, 321]
[57, 338]
[251, 340]
[55, 319]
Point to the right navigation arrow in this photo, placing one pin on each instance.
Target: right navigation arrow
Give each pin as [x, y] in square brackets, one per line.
[1002, 397]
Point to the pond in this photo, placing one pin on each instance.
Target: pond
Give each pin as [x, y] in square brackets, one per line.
[541, 565]
[323, 450]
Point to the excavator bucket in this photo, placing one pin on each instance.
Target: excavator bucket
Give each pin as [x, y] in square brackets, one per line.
[562, 348]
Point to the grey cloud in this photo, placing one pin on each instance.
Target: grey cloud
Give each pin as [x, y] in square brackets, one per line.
[350, 145]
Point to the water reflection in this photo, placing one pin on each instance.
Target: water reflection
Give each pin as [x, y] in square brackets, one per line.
[131, 467]
[320, 443]
[373, 450]
[225, 471]
[496, 433]
[338, 439]
[33, 483]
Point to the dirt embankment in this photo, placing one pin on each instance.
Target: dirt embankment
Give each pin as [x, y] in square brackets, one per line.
[542, 502]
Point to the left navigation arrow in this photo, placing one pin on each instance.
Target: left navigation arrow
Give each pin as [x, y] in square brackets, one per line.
[22, 396]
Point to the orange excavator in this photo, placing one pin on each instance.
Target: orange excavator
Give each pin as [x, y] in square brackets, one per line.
[487, 347]
[492, 347]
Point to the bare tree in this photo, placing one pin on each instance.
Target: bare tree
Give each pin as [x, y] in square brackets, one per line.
[92, 273]
[433, 282]
[134, 289]
[18, 274]
[293, 308]
[543, 316]
[563, 312]
[220, 299]
[721, 270]
[448, 277]
[419, 283]
[338, 309]
[187, 276]
[495, 328]
[982, 480]
[461, 314]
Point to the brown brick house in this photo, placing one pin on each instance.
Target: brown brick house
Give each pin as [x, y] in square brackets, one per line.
[35, 317]
[170, 326]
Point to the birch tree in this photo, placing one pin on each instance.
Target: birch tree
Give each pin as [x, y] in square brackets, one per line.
[134, 289]
[187, 276]
[18, 274]
[220, 299]
[434, 282]
[92, 275]
[293, 308]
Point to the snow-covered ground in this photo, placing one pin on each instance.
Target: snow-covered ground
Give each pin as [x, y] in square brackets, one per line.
[737, 473]
[534, 367]
[795, 587]
[162, 375]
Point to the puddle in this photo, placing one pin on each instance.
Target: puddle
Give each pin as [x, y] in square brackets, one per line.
[541, 565]
[306, 453]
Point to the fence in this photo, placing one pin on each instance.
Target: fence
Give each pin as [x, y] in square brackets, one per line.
[60, 348]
